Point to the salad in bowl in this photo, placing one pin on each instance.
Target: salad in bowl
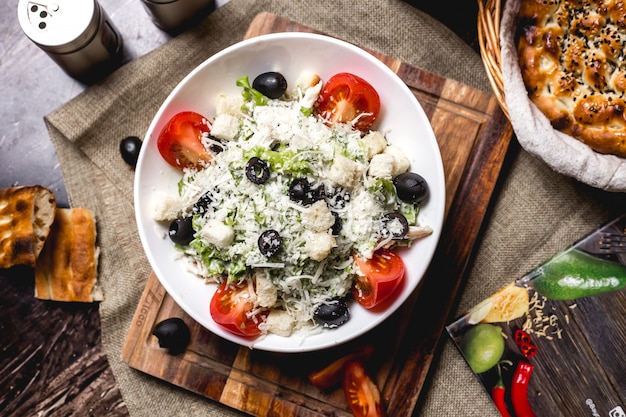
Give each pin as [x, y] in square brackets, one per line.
[281, 201]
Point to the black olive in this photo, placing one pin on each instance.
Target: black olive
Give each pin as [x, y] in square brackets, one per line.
[129, 148]
[338, 198]
[276, 146]
[313, 195]
[336, 227]
[215, 148]
[201, 206]
[269, 242]
[181, 231]
[257, 170]
[332, 314]
[411, 187]
[298, 189]
[173, 334]
[270, 84]
[394, 225]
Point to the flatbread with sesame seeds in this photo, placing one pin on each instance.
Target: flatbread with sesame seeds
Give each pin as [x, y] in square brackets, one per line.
[571, 56]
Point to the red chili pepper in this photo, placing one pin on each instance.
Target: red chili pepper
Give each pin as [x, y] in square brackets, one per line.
[524, 342]
[521, 337]
[519, 390]
[497, 394]
[528, 350]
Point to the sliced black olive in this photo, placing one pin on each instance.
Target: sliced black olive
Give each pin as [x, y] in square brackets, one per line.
[411, 187]
[215, 148]
[269, 242]
[276, 145]
[270, 84]
[313, 195]
[173, 334]
[201, 206]
[338, 198]
[332, 314]
[336, 227]
[129, 148]
[257, 170]
[181, 231]
[394, 225]
[298, 189]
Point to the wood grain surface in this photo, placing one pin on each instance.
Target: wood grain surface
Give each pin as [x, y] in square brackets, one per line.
[473, 136]
[590, 340]
[52, 361]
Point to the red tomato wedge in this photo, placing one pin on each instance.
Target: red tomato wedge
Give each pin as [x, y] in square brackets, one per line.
[362, 394]
[381, 276]
[347, 98]
[332, 374]
[179, 142]
[231, 307]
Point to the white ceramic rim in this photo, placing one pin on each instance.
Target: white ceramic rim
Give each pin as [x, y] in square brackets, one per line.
[431, 214]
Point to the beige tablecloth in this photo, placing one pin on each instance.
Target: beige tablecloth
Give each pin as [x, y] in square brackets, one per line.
[535, 213]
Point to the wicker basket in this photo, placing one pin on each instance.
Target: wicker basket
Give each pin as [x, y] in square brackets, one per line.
[489, 14]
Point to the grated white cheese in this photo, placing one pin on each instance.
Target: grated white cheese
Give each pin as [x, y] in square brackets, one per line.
[313, 265]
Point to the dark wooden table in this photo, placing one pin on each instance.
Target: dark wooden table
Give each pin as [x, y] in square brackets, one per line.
[51, 358]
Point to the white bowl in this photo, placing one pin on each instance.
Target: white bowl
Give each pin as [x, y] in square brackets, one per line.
[401, 119]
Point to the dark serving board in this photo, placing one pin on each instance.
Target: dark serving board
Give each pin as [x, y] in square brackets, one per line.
[473, 136]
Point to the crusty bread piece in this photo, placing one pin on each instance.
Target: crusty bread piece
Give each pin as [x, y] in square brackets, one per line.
[26, 215]
[67, 267]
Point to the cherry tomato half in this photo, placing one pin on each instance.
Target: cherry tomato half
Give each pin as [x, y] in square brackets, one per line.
[346, 97]
[381, 276]
[179, 141]
[231, 306]
[362, 394]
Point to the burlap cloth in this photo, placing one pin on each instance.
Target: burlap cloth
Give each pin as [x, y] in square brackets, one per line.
[535, 212]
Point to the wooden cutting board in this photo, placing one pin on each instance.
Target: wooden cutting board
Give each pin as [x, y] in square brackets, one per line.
[474, 136]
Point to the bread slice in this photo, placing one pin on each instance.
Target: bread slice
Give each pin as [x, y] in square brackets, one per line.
[68, 265]
[26, 215]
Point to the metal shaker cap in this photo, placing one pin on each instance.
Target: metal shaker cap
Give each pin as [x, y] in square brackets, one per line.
[59, 26]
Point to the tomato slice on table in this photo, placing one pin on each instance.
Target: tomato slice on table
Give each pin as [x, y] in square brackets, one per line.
[381, 276]
[231, 307]
[346, 97]
[179, 141]
[362, 394]
[332, 374]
